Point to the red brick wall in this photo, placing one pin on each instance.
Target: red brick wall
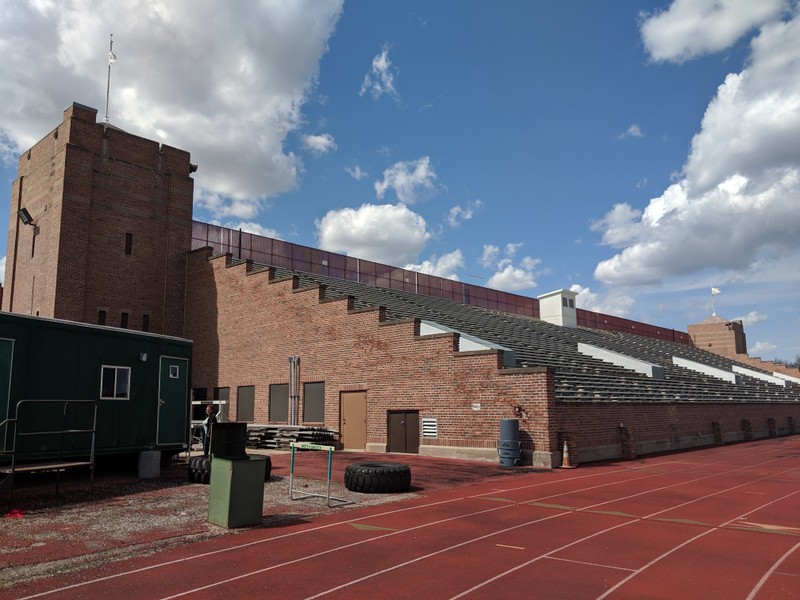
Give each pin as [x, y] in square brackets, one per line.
[657, 426]
[245, 327]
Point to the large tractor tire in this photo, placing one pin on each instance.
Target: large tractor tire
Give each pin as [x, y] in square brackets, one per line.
[200, 469]
[377, 478]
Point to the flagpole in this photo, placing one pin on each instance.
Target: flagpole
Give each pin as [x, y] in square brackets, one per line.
[714, 292]
[111, 59]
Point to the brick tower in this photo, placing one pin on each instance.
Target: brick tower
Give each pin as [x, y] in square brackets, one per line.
[100, 228]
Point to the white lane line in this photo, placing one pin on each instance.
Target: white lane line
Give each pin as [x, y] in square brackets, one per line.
[588, 537]
[535, 521]
[689, 541]
[769, 573]
[408, 509]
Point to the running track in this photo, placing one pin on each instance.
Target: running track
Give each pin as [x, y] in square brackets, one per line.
[715, 523]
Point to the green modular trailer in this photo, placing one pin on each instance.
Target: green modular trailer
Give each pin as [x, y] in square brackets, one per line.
[137, 382]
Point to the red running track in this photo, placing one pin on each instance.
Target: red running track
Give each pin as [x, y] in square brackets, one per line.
[715, 523]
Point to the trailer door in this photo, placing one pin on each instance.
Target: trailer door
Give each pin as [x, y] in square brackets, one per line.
[173, 398]
[6, 410]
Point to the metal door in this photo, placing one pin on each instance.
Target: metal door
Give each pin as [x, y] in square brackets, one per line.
[403, 432]
[353, 426]
[173, 400]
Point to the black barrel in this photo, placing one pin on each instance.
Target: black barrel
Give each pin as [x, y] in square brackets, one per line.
[509, 447]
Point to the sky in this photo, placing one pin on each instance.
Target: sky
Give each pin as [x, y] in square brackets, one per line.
[637, 153]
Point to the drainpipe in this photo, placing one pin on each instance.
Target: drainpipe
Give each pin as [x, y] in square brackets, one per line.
[294, 389]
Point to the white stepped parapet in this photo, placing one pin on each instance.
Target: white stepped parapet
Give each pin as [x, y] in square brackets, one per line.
[622, 360]
[786, 377]
[759, 375]
[467, 343]
[728, 376]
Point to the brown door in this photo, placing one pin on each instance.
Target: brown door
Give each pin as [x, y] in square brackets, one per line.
[403, 432]
[353, 426]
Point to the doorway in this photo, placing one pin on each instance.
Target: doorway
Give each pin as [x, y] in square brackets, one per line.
[173, 400]
[403, 431]
[353, 420]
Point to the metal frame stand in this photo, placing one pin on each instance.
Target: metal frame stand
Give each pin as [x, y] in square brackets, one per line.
[328, 497]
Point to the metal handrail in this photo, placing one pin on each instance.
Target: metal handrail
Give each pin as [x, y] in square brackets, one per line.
[19, 431]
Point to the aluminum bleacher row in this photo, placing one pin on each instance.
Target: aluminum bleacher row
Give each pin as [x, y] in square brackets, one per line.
[578, 377]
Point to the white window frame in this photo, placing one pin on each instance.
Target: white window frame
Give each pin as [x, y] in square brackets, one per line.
[117, 370]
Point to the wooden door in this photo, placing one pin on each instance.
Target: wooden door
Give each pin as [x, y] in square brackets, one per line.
[353, 420]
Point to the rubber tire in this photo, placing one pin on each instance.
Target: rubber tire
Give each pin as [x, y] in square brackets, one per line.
[200, 469]
[377, 478]
[268, 472]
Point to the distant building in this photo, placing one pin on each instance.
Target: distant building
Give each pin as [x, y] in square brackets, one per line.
[390, 359]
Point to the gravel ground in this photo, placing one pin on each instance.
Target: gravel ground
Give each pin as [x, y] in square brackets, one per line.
[45, 535]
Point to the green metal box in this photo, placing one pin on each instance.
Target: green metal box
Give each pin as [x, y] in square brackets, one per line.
[236, 495]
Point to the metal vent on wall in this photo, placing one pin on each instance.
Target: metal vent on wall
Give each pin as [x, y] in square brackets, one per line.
[430, 427]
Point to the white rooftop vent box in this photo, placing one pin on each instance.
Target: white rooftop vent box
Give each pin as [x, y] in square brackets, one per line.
[558, 308]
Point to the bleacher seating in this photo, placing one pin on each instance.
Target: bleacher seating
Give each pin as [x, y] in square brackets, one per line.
[537, 343]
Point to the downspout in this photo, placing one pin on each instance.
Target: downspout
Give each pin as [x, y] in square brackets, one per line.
[294, 384]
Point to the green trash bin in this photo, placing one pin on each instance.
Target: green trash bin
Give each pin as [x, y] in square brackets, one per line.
[236, 494]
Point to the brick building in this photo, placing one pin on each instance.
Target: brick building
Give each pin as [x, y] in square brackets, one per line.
[392, 360]
[104, 227]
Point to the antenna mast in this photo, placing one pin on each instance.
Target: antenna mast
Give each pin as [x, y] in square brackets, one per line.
[111, 59]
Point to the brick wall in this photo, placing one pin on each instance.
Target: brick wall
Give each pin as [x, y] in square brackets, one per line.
[245, 327]
[87, 186]
[600, 428]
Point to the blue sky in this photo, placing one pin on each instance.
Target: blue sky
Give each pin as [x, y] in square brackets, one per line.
[638, 153]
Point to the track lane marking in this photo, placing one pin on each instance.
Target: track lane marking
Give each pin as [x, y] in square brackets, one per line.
[747, 449]
[578, 541]
[686, 543]
[535, 521]
[771, 571]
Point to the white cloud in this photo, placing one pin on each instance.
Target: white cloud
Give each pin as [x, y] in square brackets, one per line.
[489, 256]
[388, 233]
[761, 349]
[459, 214]
[737, 201]
[751, 318]
[319, 144]
[632, 131]
[508, 276]
[379, 80]
[689, 28]
[255, 228]
[443, 266]
[225, 81]
[614, 303]
[356, 172]
[410, 180]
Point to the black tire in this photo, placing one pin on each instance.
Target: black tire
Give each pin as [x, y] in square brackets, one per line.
[268, 472]
[199, 469]
[377, 478]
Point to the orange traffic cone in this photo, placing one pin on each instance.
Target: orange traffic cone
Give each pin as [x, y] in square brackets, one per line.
[565, 464]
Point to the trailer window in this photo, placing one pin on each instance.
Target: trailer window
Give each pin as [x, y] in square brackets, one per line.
[115, 383]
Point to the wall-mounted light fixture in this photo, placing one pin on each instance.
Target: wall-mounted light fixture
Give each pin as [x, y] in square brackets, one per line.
[143, 356]
[25, 216]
